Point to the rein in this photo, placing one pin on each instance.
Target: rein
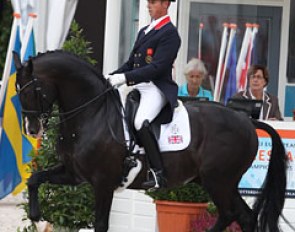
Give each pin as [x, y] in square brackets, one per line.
[43, 114]
[79, 108]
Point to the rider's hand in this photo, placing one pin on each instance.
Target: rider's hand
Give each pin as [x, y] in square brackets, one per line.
[117, 79]
[107, 76]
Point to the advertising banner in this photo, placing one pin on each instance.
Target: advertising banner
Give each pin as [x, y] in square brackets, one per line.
[253, 179]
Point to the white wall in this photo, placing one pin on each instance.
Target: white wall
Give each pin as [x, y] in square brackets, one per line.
[132, 211]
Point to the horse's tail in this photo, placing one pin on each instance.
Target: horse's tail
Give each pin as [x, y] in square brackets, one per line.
[269, 204]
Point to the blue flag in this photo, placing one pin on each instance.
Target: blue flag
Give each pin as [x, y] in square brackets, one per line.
[231, 86]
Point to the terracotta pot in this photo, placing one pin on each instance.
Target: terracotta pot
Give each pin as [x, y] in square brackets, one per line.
[176, 216]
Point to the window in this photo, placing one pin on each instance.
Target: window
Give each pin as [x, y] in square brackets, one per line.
[266, 48]
[128, 28]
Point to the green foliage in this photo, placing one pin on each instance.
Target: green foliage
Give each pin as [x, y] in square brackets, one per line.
[190, 192]
[5, 27]
[69, 207]
[77, 44]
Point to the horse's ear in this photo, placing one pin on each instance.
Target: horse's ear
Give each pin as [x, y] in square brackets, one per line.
[17, 62]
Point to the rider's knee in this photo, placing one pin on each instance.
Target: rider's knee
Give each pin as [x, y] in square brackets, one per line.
[139, 123]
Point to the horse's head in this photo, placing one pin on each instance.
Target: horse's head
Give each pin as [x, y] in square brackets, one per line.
[35, 98]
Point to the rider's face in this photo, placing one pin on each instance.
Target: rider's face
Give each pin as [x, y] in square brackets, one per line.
[157, 8]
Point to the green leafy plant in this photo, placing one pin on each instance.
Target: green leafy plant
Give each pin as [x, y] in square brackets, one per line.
[63, 206]
[77, 44]
[190, 192]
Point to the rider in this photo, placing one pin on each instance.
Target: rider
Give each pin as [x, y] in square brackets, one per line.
[149, 69]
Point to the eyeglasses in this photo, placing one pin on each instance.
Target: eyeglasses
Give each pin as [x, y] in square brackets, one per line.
[258, 77]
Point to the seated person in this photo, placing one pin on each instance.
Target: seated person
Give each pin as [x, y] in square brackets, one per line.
[195, 72]
[258, 78]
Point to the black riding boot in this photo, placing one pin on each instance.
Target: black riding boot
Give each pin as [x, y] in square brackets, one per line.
[152, 151]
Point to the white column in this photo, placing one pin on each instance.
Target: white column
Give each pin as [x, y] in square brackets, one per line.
[111, 39]
[144, 16]
[40, 25]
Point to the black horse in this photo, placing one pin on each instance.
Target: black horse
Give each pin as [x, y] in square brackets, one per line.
[92, 147]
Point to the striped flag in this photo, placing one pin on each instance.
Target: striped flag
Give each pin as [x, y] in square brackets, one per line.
[28, 143]
[14, 145]
[244, 60]
[10, 141]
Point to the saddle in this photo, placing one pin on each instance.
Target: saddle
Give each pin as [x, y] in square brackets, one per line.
[132, 104]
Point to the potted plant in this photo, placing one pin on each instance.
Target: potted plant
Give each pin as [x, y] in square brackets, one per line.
[178, 207]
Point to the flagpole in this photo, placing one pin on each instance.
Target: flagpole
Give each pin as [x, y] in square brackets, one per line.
[220, 61]
[201, 26]
[233, 28]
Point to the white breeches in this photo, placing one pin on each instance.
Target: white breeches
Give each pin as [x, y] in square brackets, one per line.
[152, 100]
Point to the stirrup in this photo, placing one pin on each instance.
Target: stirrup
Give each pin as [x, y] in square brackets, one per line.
[155, 178]
[155, 182]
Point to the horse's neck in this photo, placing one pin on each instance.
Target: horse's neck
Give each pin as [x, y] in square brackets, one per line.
[99, 121]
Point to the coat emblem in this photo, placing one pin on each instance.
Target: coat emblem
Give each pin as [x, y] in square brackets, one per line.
[149, 55]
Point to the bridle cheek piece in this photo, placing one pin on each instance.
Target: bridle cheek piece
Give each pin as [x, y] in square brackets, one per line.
[41, 114]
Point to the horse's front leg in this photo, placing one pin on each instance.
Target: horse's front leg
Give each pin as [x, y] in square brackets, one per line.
[103, 203]
[55, 175]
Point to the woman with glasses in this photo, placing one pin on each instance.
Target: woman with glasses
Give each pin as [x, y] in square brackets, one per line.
[258, 78]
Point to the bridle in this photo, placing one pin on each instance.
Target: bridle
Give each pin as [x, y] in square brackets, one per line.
[44, 112]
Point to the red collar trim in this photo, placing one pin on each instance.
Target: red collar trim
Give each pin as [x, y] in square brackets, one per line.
[162, 23]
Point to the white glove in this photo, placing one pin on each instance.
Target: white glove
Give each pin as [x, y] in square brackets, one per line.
[107, 76]
[117, 79]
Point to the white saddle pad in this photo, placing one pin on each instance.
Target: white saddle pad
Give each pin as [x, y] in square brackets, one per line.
[174, 136]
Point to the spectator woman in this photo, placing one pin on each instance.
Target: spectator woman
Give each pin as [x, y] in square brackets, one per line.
[258, 78]
[195, 72]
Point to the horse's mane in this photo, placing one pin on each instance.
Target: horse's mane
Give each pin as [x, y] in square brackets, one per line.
[72, 55]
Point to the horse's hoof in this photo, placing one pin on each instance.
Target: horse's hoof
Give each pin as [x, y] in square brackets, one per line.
[35, 217]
